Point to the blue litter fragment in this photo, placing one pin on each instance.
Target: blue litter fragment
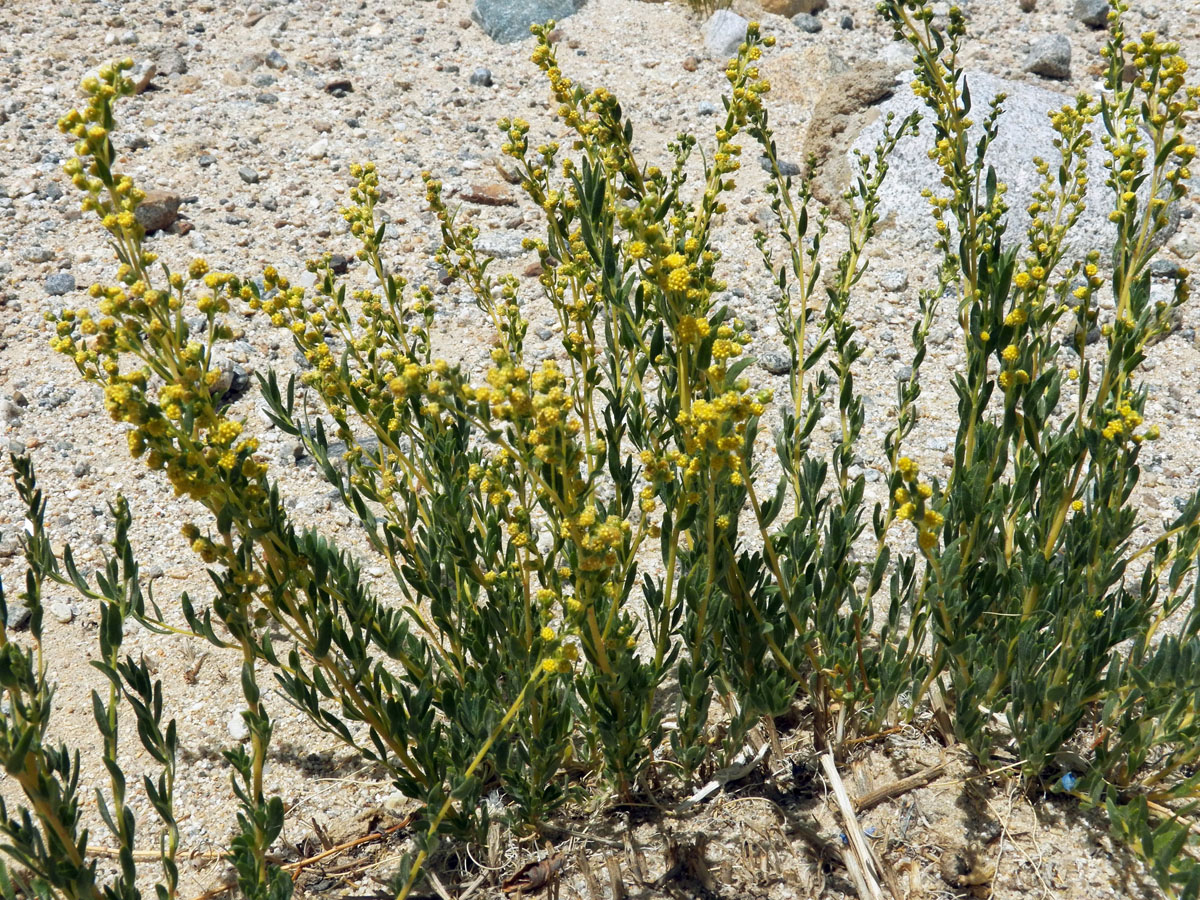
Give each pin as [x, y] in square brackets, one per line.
[870, 831]
[1068, 781]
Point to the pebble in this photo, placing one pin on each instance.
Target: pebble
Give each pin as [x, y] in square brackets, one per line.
[248, 175]
[159, 210]
[317, 150]
[204, 160]
[775, 361]
[1164, 268]
[894, 280]
[690, 63]
[275, 60]
[786, 169]
[707, 108]
[1092, 13]
[847, 22]
[1027, 5]
[481, 77]
[60, 283]
[62, 612]
[807, 22]
[37, 254]
[1050, 57]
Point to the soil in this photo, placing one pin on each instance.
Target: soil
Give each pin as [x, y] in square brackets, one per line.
[252, 118]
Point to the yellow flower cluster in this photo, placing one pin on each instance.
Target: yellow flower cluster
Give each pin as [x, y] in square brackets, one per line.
[713, 431]
[911, 503]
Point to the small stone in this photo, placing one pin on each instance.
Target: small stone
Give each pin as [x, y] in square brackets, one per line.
[1050, 57]
[248, 175]
[62, 612]
[775, 361]
[789, 8]
[19, 616]
[488, 195]
[318, 149]
[786, 169]
[1164, 268]
[894, 280]
[481, 77]
[60, 283]
[9, 410]
[267, 99]
[339, 87]
[9, 547]
[1183, 247]
[205, 160]
[236, 726]
[724, 32]
[847, 23]
[171, 62]
[707, 108]
[82, 468]
[159, 210]
[904, 373]
[274, 60]
[807, 22]
[1027, 5]
[690, 63]
[1092, 13]
[37, 254]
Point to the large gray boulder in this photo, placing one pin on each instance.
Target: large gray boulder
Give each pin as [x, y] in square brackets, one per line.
[506, 21]
[1024, 132]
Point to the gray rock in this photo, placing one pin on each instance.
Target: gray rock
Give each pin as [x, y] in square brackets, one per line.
[9, 410]
[1092, 13]
[205, 160]
[775, 361]
[847, 23]
[274, 60]
[318, 149]
[267, 98]
[37, 254]
[248, 175]
[481, 77]
[786, 169]
[1023, 132]
[500, 244]
[724, 32]
[1050, 57]
[159, 210]
[1164, 268]
[60, 283]
[707, 108]
[18, 616]
[506, 21]
[171, 62]
[807, 22]
[894, 280]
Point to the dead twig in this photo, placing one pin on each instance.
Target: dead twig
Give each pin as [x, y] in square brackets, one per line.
[859, 862]
[897, 788]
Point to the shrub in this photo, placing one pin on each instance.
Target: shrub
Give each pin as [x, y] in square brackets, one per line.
[535, 649]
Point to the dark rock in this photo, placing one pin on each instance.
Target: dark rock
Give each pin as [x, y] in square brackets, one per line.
[275, 60]
[267, 99]
[339, 87]
[60, 283]
[847, 23]
[171, 62]
[1050, 57]
[481, 77]
[786, 169]
[1092, 13]
[1164, 268]
[206, 159]
[807, 22]
[159, 210]
[506, 21]
[248, 175]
